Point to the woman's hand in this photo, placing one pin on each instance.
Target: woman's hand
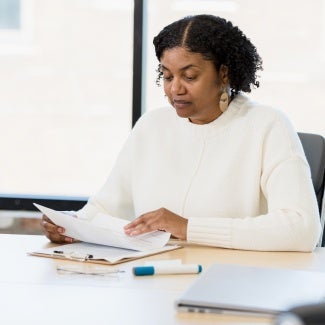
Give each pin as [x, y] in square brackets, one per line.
[161, 219]
[53, 232]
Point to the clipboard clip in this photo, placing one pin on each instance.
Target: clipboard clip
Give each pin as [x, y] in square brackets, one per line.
[74, 256]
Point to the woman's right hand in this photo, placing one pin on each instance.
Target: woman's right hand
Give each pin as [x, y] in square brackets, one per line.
[53, 232]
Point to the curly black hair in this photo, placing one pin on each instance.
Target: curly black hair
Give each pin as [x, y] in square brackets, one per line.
[217, 40]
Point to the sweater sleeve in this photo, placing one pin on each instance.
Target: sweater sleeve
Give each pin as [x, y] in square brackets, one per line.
[292, 221]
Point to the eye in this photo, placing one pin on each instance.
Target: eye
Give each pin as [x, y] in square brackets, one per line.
[167, 78]
[190, 77]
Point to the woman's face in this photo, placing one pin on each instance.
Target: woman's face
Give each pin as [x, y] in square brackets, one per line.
[192, 85]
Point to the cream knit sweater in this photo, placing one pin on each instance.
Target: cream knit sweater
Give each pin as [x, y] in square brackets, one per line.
[242, 180]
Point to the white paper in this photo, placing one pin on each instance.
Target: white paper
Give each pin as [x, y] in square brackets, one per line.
[105, 230]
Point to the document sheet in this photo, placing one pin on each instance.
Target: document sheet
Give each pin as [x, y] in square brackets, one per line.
[105, 230]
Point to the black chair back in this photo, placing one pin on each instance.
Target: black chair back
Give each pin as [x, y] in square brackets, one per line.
[314, 147]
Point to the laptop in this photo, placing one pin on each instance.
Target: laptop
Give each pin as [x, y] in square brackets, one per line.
[245, 290]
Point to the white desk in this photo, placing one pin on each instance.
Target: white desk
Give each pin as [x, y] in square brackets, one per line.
[34, 292]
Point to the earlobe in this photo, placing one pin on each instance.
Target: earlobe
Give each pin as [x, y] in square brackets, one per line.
[223, 74]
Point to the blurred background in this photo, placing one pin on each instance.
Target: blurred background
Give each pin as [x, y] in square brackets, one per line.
[66, 83]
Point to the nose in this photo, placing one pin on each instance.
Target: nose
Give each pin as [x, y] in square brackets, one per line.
[177, 87]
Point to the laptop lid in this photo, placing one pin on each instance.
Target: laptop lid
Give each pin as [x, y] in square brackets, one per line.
[235, 289]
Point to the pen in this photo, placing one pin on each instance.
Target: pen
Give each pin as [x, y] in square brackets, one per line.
[172, 269]
[73, 255]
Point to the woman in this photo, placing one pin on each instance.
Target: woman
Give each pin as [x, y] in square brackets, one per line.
[216, 168]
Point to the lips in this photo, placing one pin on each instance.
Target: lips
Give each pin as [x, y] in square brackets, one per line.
[180, 103]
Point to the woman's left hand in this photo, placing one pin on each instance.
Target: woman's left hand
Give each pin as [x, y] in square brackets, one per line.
[161, 219]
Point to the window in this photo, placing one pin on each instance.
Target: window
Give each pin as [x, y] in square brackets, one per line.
[9, 14]
[65, 93]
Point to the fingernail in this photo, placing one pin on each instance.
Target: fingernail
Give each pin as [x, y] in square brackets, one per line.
[68, 239]
[60, 230]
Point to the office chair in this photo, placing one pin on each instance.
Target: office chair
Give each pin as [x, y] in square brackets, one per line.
[314, 147]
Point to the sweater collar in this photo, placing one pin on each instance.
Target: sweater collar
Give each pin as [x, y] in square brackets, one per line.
[220, 123]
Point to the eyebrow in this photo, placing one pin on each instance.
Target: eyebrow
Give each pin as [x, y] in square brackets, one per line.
[183, 68]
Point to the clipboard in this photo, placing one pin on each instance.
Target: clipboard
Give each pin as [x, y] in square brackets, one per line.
[98, 254]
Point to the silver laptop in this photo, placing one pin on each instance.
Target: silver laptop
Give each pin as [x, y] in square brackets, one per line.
[235, 289]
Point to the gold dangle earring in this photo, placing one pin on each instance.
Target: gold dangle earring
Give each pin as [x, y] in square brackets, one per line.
[224, 101]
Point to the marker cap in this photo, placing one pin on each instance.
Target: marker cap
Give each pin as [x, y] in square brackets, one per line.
[144, 270]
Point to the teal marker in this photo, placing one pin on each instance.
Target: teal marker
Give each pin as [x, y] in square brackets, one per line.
[172, 269]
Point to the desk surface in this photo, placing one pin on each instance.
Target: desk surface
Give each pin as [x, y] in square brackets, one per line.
[34, 292]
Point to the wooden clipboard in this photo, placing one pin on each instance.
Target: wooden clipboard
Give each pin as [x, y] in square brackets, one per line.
[98, 254]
